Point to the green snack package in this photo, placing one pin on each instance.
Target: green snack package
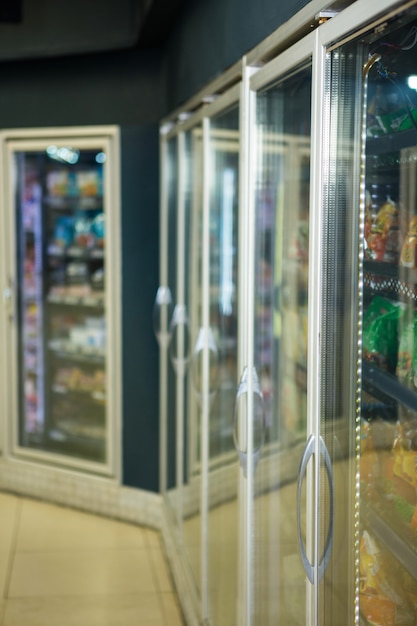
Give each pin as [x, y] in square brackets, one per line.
[380, 333]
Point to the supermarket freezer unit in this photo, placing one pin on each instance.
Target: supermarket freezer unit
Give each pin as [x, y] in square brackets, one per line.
[60, 259]
[289, 244]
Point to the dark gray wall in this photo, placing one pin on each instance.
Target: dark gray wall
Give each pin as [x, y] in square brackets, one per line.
[211, 35]
[122, 87]
[140, 237]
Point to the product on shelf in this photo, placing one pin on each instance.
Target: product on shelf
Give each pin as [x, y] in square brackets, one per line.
[98, 228]
[376, 456]
[57, 182]
[386, 112]
[405, 464]
[385, 599]
[408, 257]
[380, 333]
[383, 238]
[97, 280]
[78, 379]
[368, 216]
[89, 183]
[63, 233]
[406, 370]
[83, 234]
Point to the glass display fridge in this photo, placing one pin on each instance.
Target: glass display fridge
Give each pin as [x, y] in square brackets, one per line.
[334, 262]
[318, 322]
[61, 214]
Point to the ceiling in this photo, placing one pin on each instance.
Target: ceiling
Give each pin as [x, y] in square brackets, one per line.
[32, 29]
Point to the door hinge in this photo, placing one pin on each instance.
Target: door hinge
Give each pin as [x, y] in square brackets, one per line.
[325, 16]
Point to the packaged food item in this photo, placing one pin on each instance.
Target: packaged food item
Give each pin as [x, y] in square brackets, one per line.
[98, 229]
[83, 234]
[383, 240]
[63, 232]
[408, 257]
[88, 182]
[97, 280]
[406, 370]
[396, 121]
[405, 469]
[383, 598]
[380, 333]
[57, 182]
[368, 215]
[77, 273]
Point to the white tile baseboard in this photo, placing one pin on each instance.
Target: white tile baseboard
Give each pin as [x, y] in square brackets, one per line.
[94, 494]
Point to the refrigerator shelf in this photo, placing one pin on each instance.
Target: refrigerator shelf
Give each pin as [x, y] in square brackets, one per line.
[72, 300]
[393, 142]
[386, 387]
[66, 350]
[76, 252]
[390, 279]
[84, 203]
[73, 440]
[391, 537]
[97, 396]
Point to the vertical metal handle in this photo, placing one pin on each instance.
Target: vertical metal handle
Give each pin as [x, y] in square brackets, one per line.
[307, 454]
[161, 315]
[179, 342]
[242, 449]
[329, 540]
[205, 341]
[324, 561]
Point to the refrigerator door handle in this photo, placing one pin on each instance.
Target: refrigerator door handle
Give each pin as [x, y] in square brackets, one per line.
[178, 350]
[205, 341]
[307, 454]
[329, 541]
[240, 435]
[324, 561]
[161, 314]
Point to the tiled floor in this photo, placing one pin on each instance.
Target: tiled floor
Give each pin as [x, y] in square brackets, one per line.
[59, 566]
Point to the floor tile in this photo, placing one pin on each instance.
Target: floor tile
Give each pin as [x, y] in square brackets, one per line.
[153, 538]
[171, 609]
[126, 610]
[162, 573]
[3, 605]
[4, 572]
[9, 507]
[47, 527]
[81, 573]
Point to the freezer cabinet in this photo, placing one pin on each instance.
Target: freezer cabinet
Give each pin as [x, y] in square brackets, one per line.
[61, 211]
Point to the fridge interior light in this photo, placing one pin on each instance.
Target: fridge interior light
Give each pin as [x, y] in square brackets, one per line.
[100, 157]
[412, 82]
[63, 154]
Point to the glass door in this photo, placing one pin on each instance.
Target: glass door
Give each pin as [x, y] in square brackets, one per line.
[59, 284]
[210, 494]
[171, 251]
[280, 424]
[223, 506]
[369, 395]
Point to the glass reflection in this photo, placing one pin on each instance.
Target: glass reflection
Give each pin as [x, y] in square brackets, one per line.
[281, 296]
[61, 286]
[223, 522]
